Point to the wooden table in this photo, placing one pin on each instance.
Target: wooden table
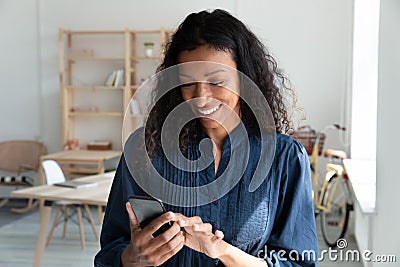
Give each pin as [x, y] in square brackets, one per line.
[46, 194]
[77, 161]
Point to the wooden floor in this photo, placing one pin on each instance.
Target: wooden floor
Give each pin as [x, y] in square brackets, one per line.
[18, 242]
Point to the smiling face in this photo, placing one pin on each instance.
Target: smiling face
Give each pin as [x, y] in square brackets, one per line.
[211, 90]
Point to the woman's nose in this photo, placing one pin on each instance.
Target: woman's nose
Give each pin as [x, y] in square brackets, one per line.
[202, 93]
[202, 89]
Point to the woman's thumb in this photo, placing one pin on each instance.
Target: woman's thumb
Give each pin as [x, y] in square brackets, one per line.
[134, 223]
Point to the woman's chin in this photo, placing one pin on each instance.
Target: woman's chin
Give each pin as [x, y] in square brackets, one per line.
[209, 123]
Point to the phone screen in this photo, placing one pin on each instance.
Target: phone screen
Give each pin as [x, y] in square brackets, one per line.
[147, 209]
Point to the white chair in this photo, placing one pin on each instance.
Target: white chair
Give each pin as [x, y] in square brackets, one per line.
[54, 174]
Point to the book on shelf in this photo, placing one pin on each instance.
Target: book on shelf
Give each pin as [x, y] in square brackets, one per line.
[111, 78]
[115, 78]
[119, 78]
[77, 184]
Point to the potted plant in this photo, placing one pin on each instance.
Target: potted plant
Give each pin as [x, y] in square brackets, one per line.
[148, 49]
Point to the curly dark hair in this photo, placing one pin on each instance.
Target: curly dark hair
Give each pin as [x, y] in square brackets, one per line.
[221, 31]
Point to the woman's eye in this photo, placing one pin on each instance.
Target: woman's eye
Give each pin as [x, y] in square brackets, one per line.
[216, 83]
[187, 85]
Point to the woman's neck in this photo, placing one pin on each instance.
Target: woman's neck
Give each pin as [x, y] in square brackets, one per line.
[218, 136]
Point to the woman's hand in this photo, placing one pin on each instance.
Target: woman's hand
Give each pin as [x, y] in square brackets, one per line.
[144, 249]
[199, 237]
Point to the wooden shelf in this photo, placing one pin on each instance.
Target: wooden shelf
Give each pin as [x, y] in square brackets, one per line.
[114, 32]
[83, 54]
[145, 31]
[101, 87]
[95, 87]
[86, 58]
[95, 114]
[95, 32]
[146, 58]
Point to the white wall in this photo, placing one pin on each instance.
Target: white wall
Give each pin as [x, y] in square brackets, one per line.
[364, 108]
[311, 40]
[19, 71]
[365, 79]
[380, 232]
[386, 224]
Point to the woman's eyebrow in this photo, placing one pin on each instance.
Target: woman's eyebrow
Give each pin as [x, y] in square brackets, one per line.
[213, 72]
[207, 74]
[185, 75]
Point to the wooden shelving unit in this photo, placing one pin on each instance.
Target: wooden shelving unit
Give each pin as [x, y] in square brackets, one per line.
[95, 114]
[85, 63]
[95, 87]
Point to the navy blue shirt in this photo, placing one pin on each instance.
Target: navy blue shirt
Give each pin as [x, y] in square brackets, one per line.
[275, 222]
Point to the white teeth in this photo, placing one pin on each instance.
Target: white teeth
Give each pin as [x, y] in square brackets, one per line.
[209, 111]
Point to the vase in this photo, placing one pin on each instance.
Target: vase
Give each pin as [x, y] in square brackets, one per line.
[148, 51]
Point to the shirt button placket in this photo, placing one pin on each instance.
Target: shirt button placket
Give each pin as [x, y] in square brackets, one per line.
[215, 216]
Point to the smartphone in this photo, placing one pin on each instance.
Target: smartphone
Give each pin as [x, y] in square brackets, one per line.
[147, 209]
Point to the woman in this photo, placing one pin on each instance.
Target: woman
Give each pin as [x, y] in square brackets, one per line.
[273, 225]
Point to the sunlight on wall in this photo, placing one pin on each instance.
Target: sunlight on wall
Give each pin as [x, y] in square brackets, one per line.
[365, 79]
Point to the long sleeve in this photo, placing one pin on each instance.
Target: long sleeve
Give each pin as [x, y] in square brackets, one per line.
[293, 239]
[278, 216]
[115, 234]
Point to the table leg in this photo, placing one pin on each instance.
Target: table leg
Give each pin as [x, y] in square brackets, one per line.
[100, 166]
[100, 169]
[45, 212]
[80, 222]
[100, 214]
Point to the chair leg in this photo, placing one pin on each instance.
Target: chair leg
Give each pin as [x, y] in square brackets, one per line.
[90, 218]
[55, 222]
[81, 227]
[3, 202]
[31, 205]
[66, 214]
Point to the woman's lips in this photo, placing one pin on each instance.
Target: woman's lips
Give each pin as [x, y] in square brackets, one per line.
[208, 111]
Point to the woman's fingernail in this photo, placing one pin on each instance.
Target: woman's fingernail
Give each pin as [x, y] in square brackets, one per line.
[181, 222]
[196, 227]
[170, 215]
